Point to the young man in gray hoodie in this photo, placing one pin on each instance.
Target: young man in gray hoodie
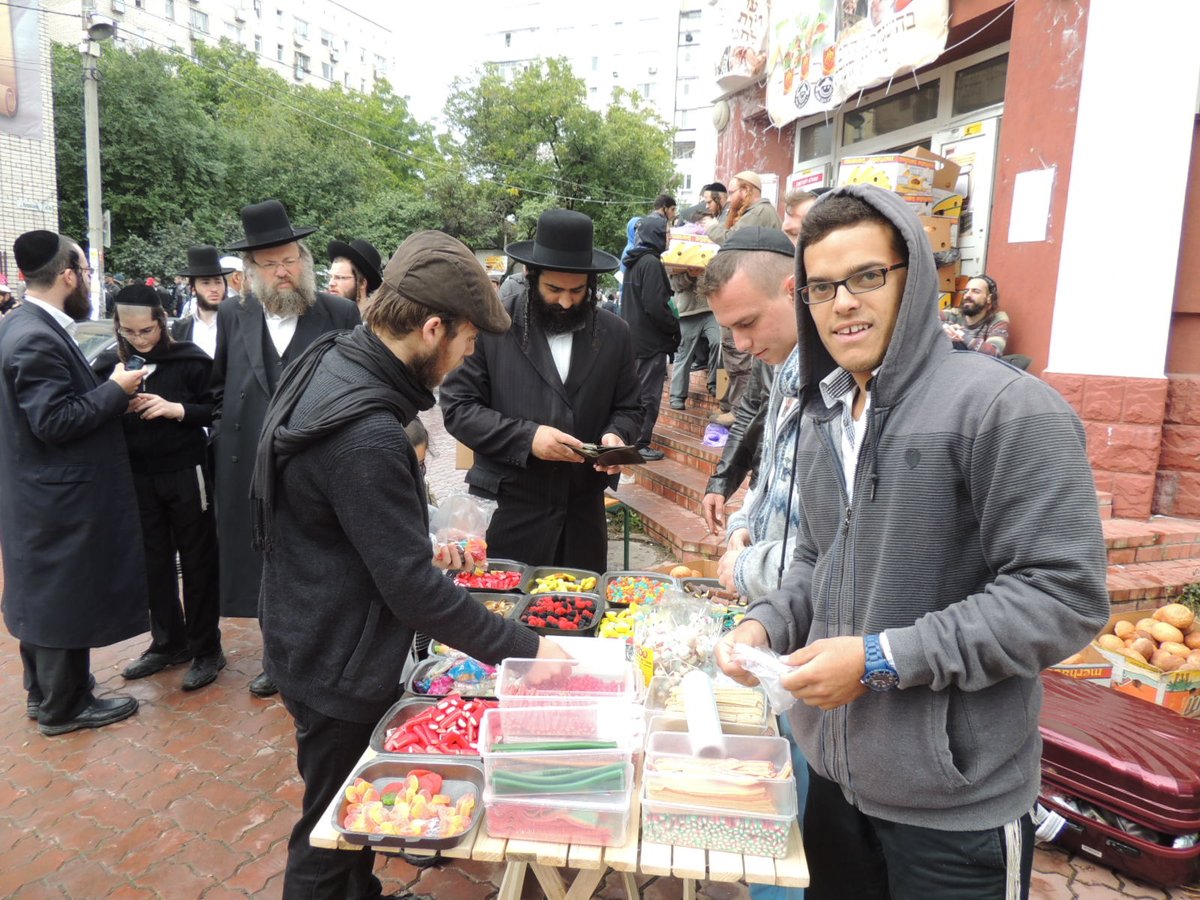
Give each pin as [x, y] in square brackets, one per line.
[949, 550]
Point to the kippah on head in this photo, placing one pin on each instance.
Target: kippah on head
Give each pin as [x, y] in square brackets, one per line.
[755, 237]
[137, 295]
[34, 249]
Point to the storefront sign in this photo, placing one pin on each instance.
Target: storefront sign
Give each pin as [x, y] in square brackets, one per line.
[807, 179]
[823, 52]
[742, 28]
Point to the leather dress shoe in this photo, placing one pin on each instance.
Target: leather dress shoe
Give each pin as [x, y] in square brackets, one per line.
[32, 706]
[97, 715]
[263, 686]
[153, 661]
[203, 671]
[649, 454]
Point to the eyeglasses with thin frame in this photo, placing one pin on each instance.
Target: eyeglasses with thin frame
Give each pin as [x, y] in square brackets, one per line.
[130, 333]
[288, 263]
[84, 272]
[858, 283]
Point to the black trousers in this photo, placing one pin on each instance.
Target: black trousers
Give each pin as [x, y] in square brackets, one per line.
[177, 515]
[544, 526]
[853, 856]
[58, 680]
[326, 751]
[651, 373]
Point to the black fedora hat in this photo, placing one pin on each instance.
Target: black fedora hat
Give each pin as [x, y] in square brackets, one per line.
[365, 258]
[204, 262]
[563, 243]
[267, 225]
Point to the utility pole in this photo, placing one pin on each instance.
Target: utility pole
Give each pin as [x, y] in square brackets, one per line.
[96, 28]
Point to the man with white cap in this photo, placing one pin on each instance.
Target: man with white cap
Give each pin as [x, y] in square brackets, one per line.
[236, 279]
[747, 207]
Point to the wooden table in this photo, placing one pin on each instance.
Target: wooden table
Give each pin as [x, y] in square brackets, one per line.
[548, 860]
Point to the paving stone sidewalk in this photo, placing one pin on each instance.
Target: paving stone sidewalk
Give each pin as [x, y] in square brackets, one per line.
[194, 796]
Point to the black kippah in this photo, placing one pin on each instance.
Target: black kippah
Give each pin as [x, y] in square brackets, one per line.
[137, 295]
[34, 249]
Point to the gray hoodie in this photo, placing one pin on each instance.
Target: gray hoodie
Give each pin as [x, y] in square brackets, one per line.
[973, 540]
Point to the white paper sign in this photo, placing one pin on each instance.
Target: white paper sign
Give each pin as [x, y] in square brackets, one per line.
[1032, 192]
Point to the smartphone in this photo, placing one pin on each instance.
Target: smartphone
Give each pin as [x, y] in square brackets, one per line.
[133, 364]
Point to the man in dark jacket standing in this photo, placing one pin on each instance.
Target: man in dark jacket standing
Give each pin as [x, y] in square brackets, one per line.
[646, 306]
[344, 524]
[257, 337]
[562, 376]
[74, 577]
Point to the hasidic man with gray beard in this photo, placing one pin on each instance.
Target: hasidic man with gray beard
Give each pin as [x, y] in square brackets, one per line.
[280, 314]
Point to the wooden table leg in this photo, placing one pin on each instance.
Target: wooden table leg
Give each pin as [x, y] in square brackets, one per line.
[631, 886]
[513, 882]
[585, 883]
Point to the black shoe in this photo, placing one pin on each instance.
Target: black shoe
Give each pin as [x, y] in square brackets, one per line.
[649, 454]
[263, 686]
[203, 671]
[32, 706]
[100, 713]
[153, 661]
[678, 404]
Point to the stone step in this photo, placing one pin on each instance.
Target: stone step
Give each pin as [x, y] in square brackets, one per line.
[1105, 500]
[690, 421]
[666, 522]
[677, 482]
[686, 448]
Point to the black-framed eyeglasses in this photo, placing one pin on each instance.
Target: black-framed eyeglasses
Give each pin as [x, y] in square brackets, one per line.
[858, 283]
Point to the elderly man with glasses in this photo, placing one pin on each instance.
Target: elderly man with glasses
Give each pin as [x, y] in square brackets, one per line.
[280, 315]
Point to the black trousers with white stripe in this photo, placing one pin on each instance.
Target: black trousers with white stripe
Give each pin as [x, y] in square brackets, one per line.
[853, 856]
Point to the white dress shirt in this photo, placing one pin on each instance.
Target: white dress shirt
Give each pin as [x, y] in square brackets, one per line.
[205, 336]
[282, 329]
[58, 315]
[560, 349]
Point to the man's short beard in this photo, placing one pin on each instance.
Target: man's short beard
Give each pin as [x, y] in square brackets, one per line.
[206, 305]
[428, 371]
[78, 304]
[556, 320]
[973, 309]
[294, 302]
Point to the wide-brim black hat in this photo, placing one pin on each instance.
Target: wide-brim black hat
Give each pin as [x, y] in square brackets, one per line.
[204, 262]
[267, 225]
[365, 258]
[563, 243]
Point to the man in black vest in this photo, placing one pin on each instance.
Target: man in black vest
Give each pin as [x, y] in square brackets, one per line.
[280, 315]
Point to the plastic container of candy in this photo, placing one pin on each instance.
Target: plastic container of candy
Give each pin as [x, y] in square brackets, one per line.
[556, 614]
[760, 760]
[676, 723]
[623, 588]
[572, 682]
[736, 704]
[712, 590]
[479, 581]
[600, 820]
[710, 828]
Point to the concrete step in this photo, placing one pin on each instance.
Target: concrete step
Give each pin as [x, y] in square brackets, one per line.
[1105, 500]
[1148, 584]
[676, 481]
[690, 421]
[667, 522]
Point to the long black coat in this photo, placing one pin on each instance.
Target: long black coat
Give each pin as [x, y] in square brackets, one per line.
[245, 373]
[74, 575]
[550, 512]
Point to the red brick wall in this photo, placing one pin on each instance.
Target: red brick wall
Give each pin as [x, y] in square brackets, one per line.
[749, 142]
[1123, 418]
[1177, 486]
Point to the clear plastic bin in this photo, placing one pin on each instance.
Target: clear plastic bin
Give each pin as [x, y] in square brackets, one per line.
[672, 775]
[677, 724]
[549, 739]
[577, 683]
[600, 820]
[735, 705]
[715, 829]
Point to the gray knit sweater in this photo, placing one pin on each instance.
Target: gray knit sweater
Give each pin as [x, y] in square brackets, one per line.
[973, 540]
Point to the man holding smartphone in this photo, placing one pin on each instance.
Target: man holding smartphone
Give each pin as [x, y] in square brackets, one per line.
[74, 576]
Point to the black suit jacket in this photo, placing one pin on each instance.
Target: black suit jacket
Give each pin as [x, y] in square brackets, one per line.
[74, 573]
[245, 374]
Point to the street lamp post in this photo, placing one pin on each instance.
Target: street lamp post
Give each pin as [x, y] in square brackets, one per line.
[97, 28]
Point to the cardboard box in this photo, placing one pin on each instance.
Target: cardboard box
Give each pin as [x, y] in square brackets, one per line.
[909, 176]
[464, 456]
[948, 278]
[939, 231]
[945, 174]
[688, 250]
[706, 567]
[1088, 665]
[1178, 691]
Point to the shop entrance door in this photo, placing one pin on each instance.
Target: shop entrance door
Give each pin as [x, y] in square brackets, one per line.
[973, 147]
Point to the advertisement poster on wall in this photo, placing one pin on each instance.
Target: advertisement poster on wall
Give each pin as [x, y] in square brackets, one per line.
[823, 52]
[742, 51]
[20, 71]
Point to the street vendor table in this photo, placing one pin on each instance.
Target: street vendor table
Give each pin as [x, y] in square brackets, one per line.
[548, 860]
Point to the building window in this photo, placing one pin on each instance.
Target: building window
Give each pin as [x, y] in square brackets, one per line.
[118, 6]
[199, 20]
[508, 39]
[258, 43]
[326, 38]
[170, 10]
[300, 27]
[258, 8]
[279, 52]
[815, 140]
[684, 119]
[891, 113]
[687, 181]
[980, 85]
[595, 64]
[690, 15]
[137, 3]
[279, 18]
[380, 63]
[684, 150]
[302, 66]
[327, 71]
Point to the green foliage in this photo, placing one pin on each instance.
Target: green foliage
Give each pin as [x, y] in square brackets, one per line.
[1190, 597]
[186, 143]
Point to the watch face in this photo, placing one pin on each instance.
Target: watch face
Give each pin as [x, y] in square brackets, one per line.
[881, 680]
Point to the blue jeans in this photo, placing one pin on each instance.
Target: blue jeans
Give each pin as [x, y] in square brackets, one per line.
[800, 767]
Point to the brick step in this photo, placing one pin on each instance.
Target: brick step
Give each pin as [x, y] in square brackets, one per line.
[685, 447]
[1150, 583]
[673, 480]
[1105, 500]
[689, 421]
[666, 522]
[1159, 539]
